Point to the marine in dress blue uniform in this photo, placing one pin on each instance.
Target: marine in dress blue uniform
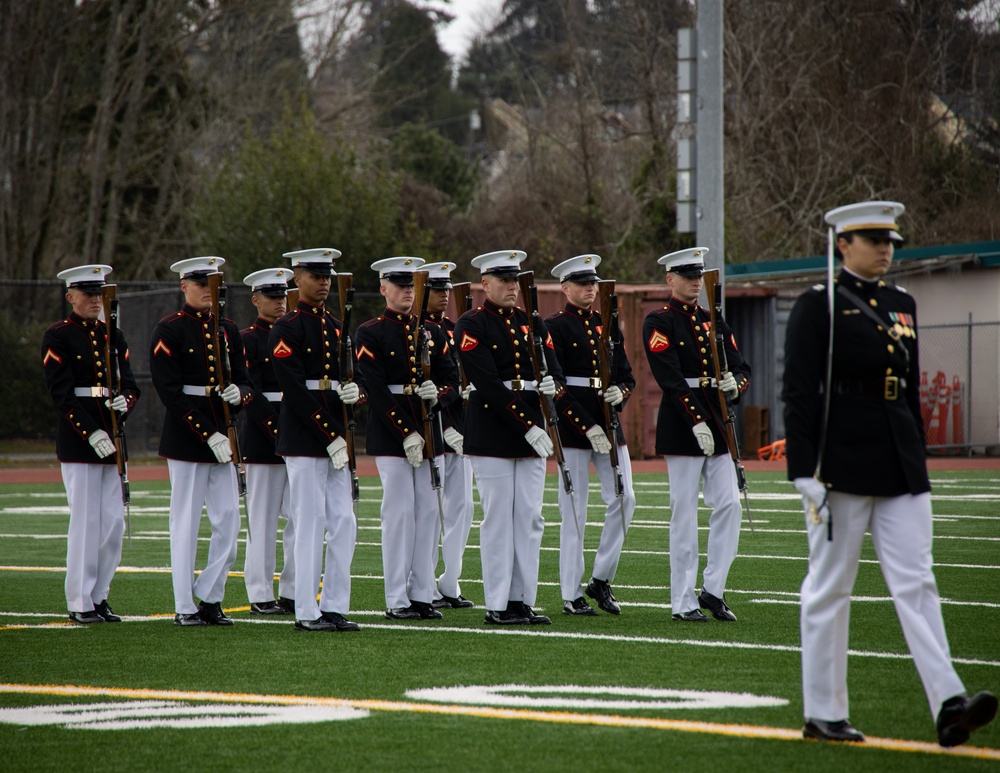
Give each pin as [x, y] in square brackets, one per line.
[267, 479]
[575, 331]
[396, 387]
[73, 358]
[506, 439]
[690, 435]
[456, 491]
[186, 371]
[873, 476]
[312, 440]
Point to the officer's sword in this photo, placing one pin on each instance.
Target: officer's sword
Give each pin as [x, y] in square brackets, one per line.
[816, 510]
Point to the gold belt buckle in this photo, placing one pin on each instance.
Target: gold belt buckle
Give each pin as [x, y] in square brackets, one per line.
[891, 387]
[325, 384]
[517, 384]
[705, 382]
[97, 391]
[409, 389]
[208, 390]
[595, 382]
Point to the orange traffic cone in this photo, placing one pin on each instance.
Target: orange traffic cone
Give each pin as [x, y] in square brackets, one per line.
[934, 419]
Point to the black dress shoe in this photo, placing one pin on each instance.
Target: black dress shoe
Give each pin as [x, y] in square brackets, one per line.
[191, 619]
[716, 606]
[455, 602]
[340, 622]
[105, 611]
[86, 618]
[960, 715]
[287, 604]
[212, 614]
[600, 591]
[841, 730]
[519, 607]
[319, 624]
[694, 616]
[504, 617]
[578, 607]
[267, 608]
[425, 610]
[402, 613]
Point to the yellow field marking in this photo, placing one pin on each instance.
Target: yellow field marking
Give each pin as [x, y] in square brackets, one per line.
[488, 712]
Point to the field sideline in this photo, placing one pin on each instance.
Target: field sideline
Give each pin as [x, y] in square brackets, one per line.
[636, 692]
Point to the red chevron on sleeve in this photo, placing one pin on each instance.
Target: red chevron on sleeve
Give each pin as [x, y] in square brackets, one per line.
[282, 349]
[50, 355]
[658, 342]
[468, 343]
[364, 351]
[548, 341]
[162, 347]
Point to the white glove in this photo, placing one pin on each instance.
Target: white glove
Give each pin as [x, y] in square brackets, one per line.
[454, 438]
[812, 490]
[704, 437]
[231, 394]
[414, 447]
[100, 441]
[119, 404]
[613, 395]
[728, 386]
[540, 441]
[338, 453]
[599, 440]
[547, 386]
[349, 394]
[428, 391]
[467, 391]
[219, 444]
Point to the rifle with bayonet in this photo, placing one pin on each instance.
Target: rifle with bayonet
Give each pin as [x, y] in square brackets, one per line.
[109, 299]
[608, 341]
[713, 290]
[461, 290]
[345, 290]
[421, 341]
[529, 294]
[221, 345]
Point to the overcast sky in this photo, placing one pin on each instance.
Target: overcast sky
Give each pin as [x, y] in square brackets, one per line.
[472, 18]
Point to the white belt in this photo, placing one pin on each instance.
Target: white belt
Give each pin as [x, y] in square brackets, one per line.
[703, 382]
[197, 390]
[274, 397]
[518, 385]
[403, 389]
[97, 391]
[583, 381]
[322, 384]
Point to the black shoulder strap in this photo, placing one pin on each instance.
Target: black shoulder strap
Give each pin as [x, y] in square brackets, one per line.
[865, 309]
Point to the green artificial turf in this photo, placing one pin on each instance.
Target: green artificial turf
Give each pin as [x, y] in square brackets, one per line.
[641, 649]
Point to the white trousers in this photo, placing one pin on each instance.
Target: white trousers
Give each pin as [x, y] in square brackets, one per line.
[902, 535]
[193, 485]
[96, 526]
[411, 525]
[320, 501]
[267, 498]
[456, 498]
[510, 535]
[616, 511]
[722, 495]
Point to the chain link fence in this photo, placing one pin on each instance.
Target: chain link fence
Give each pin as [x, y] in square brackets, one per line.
[959, 386]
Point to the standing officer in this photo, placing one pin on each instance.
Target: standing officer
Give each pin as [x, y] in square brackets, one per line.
[267, 479]
[872, 477]
[396, 386]
[456, 492]
[73, 354]
[575, 331]
[312, 439]
[690, 434]
[185, 368]
[506, 439]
